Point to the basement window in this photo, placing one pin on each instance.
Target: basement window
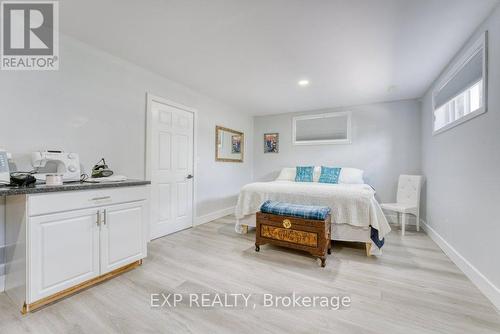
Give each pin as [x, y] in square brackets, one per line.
[461, 95]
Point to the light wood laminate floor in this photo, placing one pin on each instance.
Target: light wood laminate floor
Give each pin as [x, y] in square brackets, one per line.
[412, 288]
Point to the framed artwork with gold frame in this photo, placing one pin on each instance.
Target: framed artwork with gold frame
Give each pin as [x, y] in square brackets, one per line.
[229, 145]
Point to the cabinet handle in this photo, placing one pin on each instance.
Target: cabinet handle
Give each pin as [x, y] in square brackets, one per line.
[98, 222]
[104, 217]
[100, 198]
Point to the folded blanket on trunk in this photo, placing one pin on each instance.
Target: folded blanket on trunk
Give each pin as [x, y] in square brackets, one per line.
[295, 210]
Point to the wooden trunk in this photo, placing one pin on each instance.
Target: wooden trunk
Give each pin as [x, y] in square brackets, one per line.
[309, 235]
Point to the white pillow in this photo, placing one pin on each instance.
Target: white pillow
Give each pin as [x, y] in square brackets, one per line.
[287, 174]
[351, 176]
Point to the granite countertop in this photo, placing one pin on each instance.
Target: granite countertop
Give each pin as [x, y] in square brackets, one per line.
[37, 189]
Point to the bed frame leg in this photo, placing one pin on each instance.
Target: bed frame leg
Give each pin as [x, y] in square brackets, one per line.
[244, 229]
[368, 247]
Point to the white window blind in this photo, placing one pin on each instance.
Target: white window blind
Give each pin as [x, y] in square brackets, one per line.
[461, 95]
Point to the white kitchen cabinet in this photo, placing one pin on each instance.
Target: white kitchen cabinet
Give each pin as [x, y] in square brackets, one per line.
[122, 234]
[61, 242]
[64, 251]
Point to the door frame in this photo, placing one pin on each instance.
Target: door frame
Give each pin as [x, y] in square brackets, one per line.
[150, 98]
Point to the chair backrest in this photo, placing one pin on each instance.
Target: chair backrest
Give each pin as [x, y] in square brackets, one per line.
[409, 187]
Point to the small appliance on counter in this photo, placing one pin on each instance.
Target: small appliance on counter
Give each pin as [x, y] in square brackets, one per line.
[11, 178]
[67, 165]
[101, 173]
[22, 179]
[4, 168]
[100, 169]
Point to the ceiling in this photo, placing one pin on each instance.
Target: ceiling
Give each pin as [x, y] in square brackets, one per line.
[250, 54]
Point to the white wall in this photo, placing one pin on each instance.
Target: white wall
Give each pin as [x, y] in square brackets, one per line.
[385, 143]
[462, 166]
[96, 105]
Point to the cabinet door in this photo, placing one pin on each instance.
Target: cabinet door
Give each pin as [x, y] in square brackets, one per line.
[122, 235]
[64, 251]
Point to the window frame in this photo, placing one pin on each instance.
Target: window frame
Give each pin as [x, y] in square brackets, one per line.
[481, 43]
[327, 141]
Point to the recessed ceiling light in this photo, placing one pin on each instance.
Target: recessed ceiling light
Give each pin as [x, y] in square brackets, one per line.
[303, 83]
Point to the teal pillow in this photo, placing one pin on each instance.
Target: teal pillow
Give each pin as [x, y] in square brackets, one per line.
[329, 175]
[304, 174]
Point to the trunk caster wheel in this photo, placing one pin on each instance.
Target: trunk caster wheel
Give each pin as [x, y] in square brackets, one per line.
[257, 248]
[329, 251]
[323, 262]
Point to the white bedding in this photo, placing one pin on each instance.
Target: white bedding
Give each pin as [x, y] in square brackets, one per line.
[352, 204]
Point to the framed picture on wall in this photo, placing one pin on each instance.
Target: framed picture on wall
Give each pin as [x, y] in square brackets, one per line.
[229, 145]
[271, 142]
[235, 144]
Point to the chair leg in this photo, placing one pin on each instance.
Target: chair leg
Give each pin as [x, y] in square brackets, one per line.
[418, 221]
[403, 222]
[398, 217]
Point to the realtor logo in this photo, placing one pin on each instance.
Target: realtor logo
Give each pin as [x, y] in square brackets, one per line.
[29, 35]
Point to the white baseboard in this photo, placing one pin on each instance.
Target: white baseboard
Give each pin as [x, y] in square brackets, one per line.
[213, 215]
[2, 283]
[482, 282]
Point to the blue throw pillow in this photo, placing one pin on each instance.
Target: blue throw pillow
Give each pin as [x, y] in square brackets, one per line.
[329, 175]
[304, 174]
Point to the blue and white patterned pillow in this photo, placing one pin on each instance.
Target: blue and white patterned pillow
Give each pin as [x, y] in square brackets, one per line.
[329, 175]
[304, 174]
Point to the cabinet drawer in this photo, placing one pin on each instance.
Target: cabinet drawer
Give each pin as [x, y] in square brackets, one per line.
[47, 203]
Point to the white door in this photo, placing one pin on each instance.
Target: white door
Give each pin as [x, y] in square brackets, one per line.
[122, 235]
[171, 168]
[64, 251]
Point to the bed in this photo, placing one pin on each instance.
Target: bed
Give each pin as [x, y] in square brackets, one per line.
[356, 214]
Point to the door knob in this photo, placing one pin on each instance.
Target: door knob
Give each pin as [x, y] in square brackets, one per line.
[189, 176]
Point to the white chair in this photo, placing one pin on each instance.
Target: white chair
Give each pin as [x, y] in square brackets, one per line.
[408, 199]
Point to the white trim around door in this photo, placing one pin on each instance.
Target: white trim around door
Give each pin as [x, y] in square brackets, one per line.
[150, 100]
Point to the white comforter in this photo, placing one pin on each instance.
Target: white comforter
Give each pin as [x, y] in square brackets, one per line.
[352, 204]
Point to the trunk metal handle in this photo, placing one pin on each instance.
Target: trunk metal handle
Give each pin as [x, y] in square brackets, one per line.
[287, 223]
